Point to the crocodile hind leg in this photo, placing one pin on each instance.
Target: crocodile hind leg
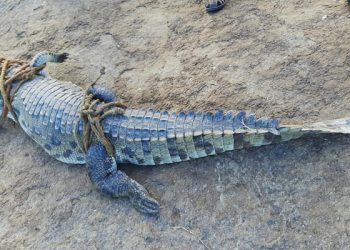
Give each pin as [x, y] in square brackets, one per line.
[45, 57]
[102, 93]
[104, 174]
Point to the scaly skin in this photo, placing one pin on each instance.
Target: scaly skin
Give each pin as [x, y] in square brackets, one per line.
[48, 110]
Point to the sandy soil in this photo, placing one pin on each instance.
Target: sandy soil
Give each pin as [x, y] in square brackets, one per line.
[288, 59]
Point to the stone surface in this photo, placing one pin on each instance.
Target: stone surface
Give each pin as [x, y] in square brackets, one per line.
[287, 59]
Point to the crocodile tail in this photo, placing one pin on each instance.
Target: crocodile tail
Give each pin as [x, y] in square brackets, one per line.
[244, 131]
[337, 126]
[267, 131]
[220, 132]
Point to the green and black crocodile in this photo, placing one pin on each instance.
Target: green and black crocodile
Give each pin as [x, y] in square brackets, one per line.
[48, 110]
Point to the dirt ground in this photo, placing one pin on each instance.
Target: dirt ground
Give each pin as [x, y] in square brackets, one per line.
[287, 59]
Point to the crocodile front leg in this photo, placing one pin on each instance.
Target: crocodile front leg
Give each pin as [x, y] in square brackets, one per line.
[104, 174]
[45, 57]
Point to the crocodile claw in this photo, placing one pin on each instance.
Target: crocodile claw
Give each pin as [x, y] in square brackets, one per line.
[62, 57]
[142, 201]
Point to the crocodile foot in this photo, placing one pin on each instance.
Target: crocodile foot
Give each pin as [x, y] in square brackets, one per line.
[104, 174]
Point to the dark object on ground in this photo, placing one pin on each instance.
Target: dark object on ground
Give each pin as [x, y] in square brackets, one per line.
[216, 5]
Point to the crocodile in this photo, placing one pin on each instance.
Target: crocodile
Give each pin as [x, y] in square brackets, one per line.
[48, 110]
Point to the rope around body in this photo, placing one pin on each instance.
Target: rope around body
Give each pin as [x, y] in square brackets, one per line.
[24, 73]
[93, 110]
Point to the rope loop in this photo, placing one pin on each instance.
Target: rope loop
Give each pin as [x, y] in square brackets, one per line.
[93, 111]
[24, 73]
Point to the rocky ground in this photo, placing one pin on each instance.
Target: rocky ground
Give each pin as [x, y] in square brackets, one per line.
[287, 59]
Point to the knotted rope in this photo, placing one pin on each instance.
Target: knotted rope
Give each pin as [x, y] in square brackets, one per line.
[23, 73]
[93, 111]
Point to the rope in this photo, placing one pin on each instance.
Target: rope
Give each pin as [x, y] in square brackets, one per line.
[24, 73]
[93, 111]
